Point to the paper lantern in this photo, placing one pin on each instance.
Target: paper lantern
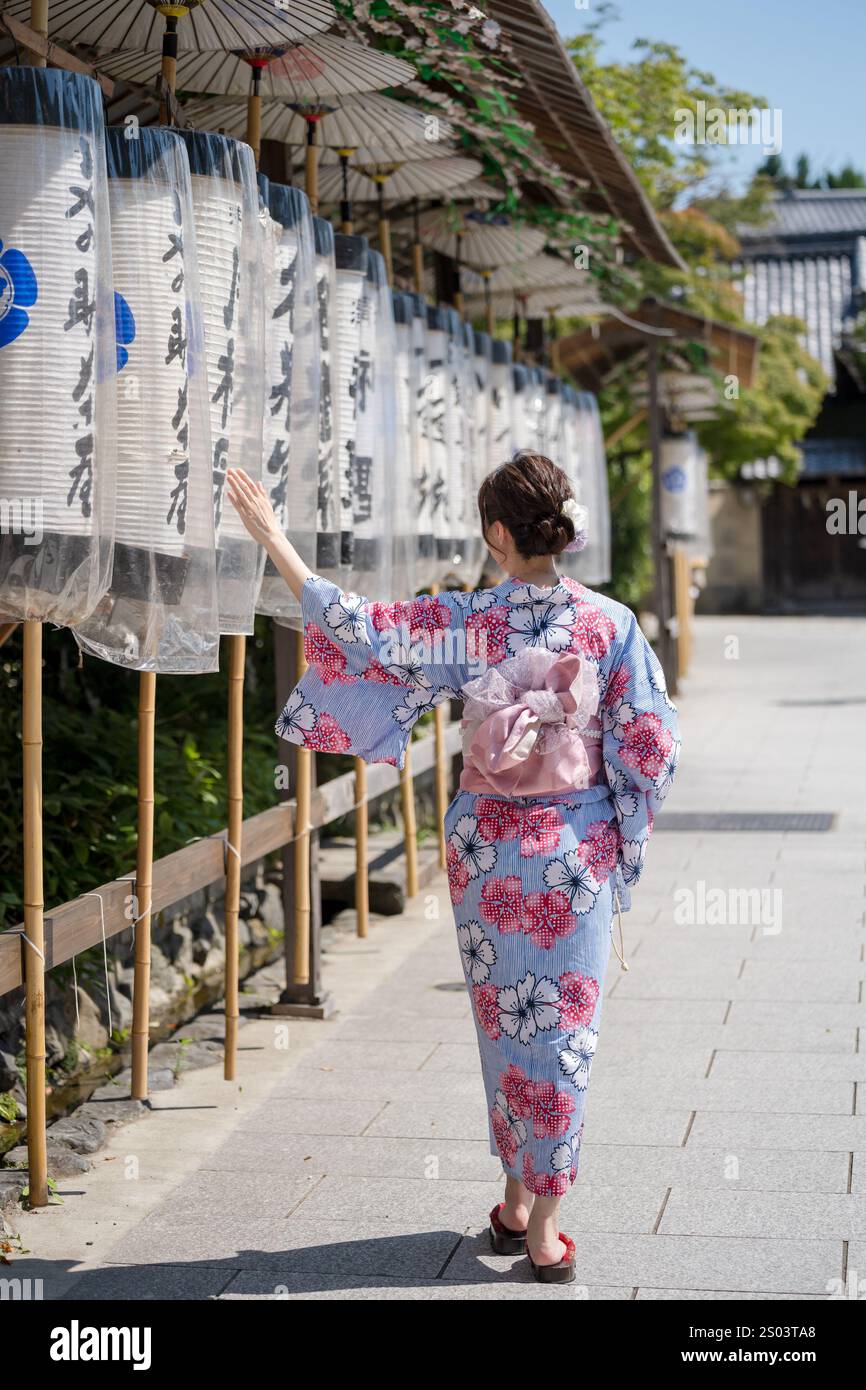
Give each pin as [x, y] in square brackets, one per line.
[458, 417]
[160, 612]
[680, 477]
[482, 362]
[501, 404]
[438, 434]
[57, 348]
[290, 446]
[409, 380]
[522, 435]
[384, 523]
[228, 236]
[592, 564]
[334, 525]
[554, 444]
[353, 371]
[420, 431]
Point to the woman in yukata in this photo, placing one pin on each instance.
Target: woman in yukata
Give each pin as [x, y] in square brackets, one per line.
[570, 743]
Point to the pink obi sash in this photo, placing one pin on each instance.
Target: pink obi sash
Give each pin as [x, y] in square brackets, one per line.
[530, 726]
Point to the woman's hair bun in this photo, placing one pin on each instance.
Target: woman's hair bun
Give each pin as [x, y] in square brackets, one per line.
[526, 495]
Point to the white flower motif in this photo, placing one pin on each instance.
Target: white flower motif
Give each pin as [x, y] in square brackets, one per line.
[540, 625]
[347, 619]
[477, 950]
[296, 717]
[660, 684]
[540, 593]
[575, 1060]
[662, 783]
[477, 600]
[475, 853]
[562, 1157]
[615, 717]
[405, 664]
[421, 701]
[624, 799]
[530, 1007]
[571, 876]
[633, 854]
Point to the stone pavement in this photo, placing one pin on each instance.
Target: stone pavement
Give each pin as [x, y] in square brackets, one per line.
[726, 1130]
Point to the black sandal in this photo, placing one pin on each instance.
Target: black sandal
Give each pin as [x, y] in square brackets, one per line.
[502, 1238]
[563, 1273]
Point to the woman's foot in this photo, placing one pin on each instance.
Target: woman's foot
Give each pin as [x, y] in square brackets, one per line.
[515, 1216]
[543, 1244]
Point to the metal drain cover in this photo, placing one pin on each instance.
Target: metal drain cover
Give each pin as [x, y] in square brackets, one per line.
[808, 822]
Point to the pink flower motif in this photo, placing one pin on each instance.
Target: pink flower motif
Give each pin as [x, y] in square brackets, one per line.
[539, 831]
[645, 744]
[545, 1184]
[550, 1111]
[427, 617]
[376, 672]
[485, 636]
[325, 657]
[549, 918]
[487, 1009]
[387, 615]
[617, 686]
[458, 874]
[574, 587]
[326, 736]
[579, 996]
[498, 820]
[506, 1140]
[593, 632]
[600, 848]
[518, 1091]
[502, 903]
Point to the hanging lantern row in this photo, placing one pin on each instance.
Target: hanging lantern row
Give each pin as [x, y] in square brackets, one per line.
[163, 317]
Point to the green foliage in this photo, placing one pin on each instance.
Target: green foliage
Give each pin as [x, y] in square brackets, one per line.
[8, 1107]
[775, 171]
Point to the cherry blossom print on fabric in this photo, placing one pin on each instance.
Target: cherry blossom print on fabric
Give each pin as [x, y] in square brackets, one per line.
[325, 657]
[473, 851]
[327, 736]
[477, 951]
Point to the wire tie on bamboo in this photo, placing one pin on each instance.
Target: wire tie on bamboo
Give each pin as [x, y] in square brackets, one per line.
[33, 946]
[94, 894]
[620, 951]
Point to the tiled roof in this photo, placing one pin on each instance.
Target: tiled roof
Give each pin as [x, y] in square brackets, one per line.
[807, 212]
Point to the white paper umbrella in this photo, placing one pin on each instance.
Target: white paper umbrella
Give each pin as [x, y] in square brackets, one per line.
[397, 182]
[160, 613]
[217, 24]
[57, 352]
[486, 240]
[312, 73]
[371, 121]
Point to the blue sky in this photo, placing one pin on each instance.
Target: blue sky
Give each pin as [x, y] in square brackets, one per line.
[805, 56]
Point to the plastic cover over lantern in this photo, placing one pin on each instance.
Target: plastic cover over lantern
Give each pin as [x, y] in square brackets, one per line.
[380, 496]
[424, 499]
[160, 613]
[409, 380]
[521, 384]
[554, 446]
[501, 404]
[352, 373]
[438, 434]
[290, 456]
[483, 364]
[592, 564]
[334, 526]
[229, 241]
[458, 417]
[57, 348]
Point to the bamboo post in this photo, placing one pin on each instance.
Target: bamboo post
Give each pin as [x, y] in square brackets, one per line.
[384, 228]
[362, 824]
[254, 115]
[39, 25]
[169, 64]
[488, 304]
[143, 884]
[346, 224]
[440, 771]
[417, 250]
[311, 167]
[303, 799]
[34, 945]
[235, 785]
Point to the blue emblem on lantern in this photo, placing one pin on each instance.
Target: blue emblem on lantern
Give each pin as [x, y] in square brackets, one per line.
[674, 479]
[124, 329]
[18, 292]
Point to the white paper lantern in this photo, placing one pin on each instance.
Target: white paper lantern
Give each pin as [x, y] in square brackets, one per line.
[57, 349]
[352, 383]
[334, 525]
[290, 453]
[384, 522]
[680, 479]
[592, 564]
[228, 235]
[554, 446]
[424, 491]
[412, 496]
[458, 417]
[160, 612]
[523, 420]
[501, 404]
[438, 434]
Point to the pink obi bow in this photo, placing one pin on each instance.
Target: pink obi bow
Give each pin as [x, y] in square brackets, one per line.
[530, 725]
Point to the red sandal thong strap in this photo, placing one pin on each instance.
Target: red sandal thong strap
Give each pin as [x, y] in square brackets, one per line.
[498, 1225]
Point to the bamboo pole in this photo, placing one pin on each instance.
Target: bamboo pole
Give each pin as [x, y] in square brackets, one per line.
[417, 250]
[440, 771]
[410, 824]
[488, 304]
[311, 167]
[362, 826]
[303, 800]
[143, 884]
[169, 65]
[384, 229]
[346, 224]
[237, 645]
[254, 115]
[39, 25]
[625, 428]
[34, 946]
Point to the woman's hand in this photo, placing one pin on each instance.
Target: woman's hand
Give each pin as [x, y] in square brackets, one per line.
[251, 502]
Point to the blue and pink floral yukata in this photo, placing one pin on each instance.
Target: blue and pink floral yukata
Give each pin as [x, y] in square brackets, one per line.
[570, 745]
